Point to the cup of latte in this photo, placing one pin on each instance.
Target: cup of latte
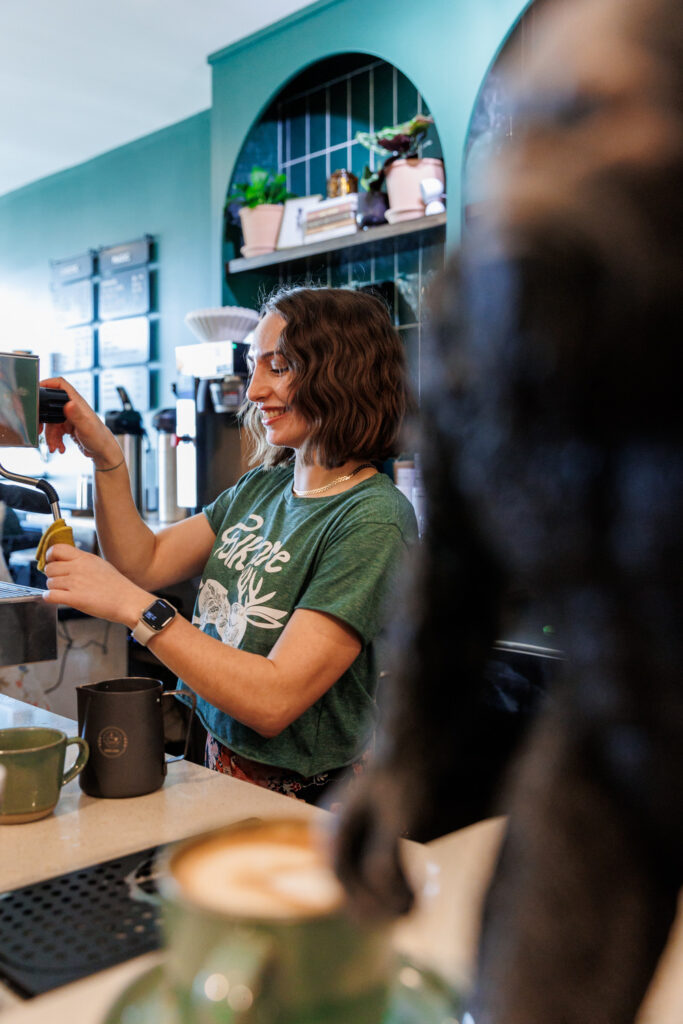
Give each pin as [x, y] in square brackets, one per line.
[256, 932]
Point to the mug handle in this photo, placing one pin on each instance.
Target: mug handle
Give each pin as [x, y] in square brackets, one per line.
[193, 698]
[79, 763]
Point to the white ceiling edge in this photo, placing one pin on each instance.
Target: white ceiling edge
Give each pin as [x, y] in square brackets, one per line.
[78, 78]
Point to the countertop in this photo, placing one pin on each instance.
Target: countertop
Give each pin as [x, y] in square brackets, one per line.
[451, 874]
[84, 830]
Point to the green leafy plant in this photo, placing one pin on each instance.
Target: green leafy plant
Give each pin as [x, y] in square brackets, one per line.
[399, 140]
[262, 187]
[371, 181]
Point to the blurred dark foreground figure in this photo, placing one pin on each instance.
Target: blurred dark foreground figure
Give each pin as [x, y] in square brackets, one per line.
[552, 434]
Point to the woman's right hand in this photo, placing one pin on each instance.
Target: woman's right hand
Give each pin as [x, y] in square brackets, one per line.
[94, 439]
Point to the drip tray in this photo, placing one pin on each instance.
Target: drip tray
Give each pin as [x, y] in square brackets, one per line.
[65, 928]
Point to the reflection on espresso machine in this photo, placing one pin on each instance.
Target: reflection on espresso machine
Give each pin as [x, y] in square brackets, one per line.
[210, 455]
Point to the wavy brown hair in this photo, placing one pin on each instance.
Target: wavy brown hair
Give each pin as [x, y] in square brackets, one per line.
[349, 377]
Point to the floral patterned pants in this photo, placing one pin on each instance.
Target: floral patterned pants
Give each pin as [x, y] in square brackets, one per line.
[221, 759]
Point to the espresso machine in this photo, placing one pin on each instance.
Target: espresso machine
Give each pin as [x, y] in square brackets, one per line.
[28, 625]
[212, 375]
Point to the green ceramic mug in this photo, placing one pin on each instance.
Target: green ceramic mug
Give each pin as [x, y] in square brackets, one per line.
[256, 932]
[33, 757]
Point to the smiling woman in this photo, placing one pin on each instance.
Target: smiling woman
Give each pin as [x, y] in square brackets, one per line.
[338, 352]
[270, 387]
[295, 560]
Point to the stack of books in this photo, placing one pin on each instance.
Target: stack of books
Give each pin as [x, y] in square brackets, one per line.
[331, 218]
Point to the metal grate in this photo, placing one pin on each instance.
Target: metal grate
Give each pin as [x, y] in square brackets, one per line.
[65, 928]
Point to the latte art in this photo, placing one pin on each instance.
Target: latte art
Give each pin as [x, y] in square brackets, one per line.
[272, 870]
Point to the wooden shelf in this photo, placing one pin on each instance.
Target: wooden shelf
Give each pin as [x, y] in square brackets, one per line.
[367, 243]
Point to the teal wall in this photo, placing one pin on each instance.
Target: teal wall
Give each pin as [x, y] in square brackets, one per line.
[444, 46]
[171, 184]
[158, 185]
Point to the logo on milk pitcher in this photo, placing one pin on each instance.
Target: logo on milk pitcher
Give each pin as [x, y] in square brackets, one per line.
[112, 742]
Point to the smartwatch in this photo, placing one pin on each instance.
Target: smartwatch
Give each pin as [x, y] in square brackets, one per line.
[154, 618]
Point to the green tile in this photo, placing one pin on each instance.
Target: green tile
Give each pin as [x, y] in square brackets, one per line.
[410, 336]
[361, 272]
[408, 299]
[406, 98]
[317, 118]
[339, 274]
[384, 96]
[297, 179]
[338, 114]
[260, 149]
[384, 268]
[359, 158]
[360, 103]
[297, 128]
[408, 261]
[428, 283]
[408, 287]
[318, 176]
[316, 273]
[385, 291]
[432, 258]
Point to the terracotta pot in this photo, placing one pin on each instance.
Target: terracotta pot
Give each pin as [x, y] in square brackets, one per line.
[260, 227]
[403, 179]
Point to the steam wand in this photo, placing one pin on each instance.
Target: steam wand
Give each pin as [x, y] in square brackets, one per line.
[51, 402]
[42, 485]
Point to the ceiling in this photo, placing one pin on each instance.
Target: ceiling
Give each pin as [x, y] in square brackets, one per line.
[80, 77]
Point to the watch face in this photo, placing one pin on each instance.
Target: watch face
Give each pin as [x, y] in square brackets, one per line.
[158, 614]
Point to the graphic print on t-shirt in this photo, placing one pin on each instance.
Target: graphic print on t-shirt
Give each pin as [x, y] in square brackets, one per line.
[246, 552]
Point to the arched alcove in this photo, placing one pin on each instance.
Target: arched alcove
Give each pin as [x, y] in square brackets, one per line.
[308, 131]
[492, 123]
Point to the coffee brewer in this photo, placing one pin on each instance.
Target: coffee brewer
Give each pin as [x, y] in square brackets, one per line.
[212, 378]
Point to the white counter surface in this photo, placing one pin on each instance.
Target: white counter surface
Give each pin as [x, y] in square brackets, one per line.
[84, 830]
[441, 932]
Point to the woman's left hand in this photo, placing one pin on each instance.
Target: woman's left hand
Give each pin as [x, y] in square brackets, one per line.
[91, 585]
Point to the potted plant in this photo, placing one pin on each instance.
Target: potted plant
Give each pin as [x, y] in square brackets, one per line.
[372, 201]
[403, 169]
[261, 200]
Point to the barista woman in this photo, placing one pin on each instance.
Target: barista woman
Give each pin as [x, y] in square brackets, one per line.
[295, 559]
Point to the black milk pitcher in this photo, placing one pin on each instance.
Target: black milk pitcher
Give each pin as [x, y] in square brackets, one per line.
[123, 722]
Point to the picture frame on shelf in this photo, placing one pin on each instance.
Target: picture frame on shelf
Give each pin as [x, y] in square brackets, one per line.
[292, 227]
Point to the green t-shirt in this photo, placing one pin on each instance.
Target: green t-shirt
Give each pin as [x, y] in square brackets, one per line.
[274, 553]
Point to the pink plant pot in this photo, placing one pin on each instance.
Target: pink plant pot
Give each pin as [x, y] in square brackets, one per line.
[403, 179]
[260, 227]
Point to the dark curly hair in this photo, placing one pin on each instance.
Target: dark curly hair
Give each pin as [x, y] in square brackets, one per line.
[349, 376]
[552, 457]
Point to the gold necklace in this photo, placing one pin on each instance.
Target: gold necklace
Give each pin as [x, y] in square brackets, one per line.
[326, 487]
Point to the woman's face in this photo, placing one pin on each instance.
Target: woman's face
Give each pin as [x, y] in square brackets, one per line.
[270, 386]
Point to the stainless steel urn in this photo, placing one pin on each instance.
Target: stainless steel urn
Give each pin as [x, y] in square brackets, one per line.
[164, 423]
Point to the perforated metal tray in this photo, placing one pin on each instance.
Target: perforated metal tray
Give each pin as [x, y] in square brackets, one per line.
[65, 928]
